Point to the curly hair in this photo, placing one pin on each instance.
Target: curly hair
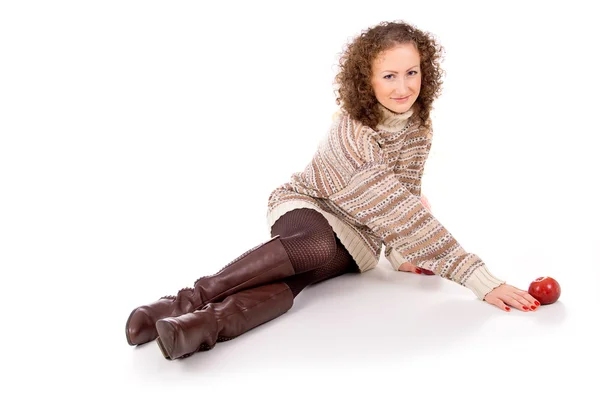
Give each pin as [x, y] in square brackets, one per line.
[355, 93]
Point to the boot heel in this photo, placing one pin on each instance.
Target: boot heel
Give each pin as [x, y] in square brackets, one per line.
[167, 337]
[162, 349]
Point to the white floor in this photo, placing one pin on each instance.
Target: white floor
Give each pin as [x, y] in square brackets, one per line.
[382, 332]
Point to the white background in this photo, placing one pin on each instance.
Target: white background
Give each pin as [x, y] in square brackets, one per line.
[139, 141]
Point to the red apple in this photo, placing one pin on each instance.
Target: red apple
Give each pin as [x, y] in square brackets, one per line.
[544, 289]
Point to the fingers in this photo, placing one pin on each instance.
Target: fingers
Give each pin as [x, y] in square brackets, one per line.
[499, 303]
[516, 298]
[527, 300]
[425, 202]
[426, 271]
[518, 303]
[409, 267]
[521, 303]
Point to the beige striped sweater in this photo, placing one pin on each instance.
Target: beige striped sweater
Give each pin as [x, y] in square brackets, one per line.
[367, 184]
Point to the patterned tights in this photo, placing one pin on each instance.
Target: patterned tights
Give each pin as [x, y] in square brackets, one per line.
[314, 250]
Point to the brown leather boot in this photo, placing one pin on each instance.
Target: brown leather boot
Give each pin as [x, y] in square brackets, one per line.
[263, 264]
[200, 330]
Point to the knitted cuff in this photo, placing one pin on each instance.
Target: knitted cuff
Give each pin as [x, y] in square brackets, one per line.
[395, 258]
[481, 282]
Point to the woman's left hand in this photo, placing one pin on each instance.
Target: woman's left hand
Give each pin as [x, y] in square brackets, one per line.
[425, 202]
[505, 295]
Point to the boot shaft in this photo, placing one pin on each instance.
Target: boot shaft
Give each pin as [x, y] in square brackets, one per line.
[266, 263]
[238, 313]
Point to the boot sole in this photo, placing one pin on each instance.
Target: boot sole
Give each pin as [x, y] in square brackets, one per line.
[162, 348]
[127, 328]
[166, 338]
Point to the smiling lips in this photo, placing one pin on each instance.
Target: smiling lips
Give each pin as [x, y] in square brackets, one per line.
[401, 99]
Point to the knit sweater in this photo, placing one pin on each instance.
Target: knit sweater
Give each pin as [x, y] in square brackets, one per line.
[367, 183]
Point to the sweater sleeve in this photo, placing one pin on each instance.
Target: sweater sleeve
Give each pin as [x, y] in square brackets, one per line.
[376, 198]
[414, 154]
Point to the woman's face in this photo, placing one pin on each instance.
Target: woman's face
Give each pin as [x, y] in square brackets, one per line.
[396, 77]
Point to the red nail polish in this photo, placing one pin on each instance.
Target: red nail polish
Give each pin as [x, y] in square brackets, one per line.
[537, 303]
[533, 308]
[525, 308]
[418, 271]
[507, 309]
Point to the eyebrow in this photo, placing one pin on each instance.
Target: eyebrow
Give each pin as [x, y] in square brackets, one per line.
[393, 71]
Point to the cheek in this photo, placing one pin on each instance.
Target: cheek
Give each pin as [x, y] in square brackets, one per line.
[417, 85]
[376, 88]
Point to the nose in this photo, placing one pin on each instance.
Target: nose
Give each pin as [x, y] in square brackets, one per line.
[401, 88]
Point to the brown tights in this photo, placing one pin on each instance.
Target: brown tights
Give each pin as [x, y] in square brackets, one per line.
[314, 250]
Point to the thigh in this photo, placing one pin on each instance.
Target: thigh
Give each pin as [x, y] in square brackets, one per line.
[307, 237]
[340, 264]
[301, 222]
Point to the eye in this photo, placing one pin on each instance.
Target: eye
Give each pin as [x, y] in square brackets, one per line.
[385, 77]
[413, 71]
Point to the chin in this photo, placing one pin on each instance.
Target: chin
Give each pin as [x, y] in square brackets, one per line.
[399, 108]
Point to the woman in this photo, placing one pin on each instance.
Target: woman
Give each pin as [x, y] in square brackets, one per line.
[362, 190]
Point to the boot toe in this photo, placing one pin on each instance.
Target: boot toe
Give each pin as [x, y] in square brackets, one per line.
[140, 327]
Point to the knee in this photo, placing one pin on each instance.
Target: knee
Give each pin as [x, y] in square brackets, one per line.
[322, 245]
[307, 234]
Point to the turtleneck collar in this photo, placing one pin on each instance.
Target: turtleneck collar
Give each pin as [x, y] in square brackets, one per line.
[391, 121]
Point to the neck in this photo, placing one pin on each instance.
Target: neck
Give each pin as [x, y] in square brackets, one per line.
[392, 121]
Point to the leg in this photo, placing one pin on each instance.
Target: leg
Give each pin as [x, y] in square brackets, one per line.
[181, 336]
[258, 266]
[307, 237]
[297, 233]
[341, 263]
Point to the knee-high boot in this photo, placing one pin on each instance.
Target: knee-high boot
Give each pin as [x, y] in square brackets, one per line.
[200, 330]
[263, 264]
